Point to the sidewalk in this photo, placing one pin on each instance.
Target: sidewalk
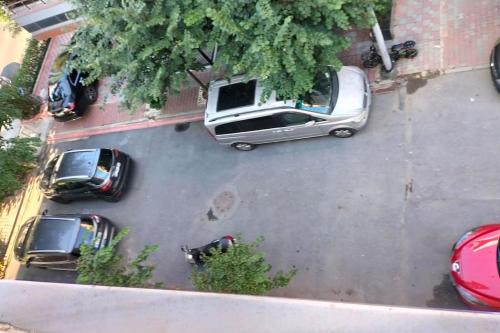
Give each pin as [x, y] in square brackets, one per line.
[451, 35]
[14, 212]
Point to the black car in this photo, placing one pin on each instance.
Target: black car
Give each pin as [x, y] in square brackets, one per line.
[87, 173]
[53, 242]
[495, 65]
[68, 97]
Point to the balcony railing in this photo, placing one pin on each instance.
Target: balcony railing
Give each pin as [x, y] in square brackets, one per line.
[14, 5]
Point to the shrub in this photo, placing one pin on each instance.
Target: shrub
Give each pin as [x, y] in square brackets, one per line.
[16, 160]
[240, 270]
[106, 266]
[14, 104]
[33, 57]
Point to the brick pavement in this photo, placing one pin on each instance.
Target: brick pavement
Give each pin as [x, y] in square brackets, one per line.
[450, 34]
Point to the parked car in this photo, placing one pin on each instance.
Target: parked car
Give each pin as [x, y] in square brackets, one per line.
[68, 97]
[475, 267]
[338, 105]
[53, 242]
[495, 65]
[87, 173]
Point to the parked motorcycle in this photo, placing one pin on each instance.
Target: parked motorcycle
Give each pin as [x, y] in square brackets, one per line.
[403, 50]
[195, 256]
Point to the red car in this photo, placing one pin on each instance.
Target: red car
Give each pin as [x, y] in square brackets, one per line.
[474, 267]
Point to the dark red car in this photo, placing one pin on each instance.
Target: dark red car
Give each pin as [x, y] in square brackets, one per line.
[474, 267]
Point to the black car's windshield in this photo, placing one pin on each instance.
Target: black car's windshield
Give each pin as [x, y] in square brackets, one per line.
[103, 167]
[85, 235]
[323, 95]
[22, 236]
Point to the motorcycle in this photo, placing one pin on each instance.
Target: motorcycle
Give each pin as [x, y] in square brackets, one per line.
[403, 50]
[196, 255]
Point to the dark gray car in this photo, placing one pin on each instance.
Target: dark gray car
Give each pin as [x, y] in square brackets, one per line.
[53, 242]
[86, 173]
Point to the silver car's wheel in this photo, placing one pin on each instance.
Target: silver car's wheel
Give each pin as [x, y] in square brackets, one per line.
[244, 146]
[343, 132]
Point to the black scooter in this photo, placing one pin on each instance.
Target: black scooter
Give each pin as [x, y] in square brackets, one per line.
[195, 256]
[403, 50]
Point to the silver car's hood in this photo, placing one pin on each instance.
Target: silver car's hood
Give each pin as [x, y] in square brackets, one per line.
[351, 91]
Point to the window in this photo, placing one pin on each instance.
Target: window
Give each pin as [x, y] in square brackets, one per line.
[49, 258]
[22, 239]
[236, 95]
[228, 128]
[292, 119]
[248, 125]
[103, 167]
[85, 235]
[53, 20]
[69, 186]
[48, 172]
[77, 163]
[323, 95]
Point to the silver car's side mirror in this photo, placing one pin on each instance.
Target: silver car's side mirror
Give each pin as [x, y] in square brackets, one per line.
[310, 123]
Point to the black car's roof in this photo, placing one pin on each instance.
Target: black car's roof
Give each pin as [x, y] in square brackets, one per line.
[77, 164]
[53, 234]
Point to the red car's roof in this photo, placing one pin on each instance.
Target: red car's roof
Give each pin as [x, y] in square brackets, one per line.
[477, 256]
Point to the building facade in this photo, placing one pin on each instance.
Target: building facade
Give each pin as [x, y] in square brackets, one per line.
[43, 18]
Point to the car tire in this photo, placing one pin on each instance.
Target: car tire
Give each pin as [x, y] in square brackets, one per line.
[90, 94]
[60, 200]
[343, 133]
[244, 146]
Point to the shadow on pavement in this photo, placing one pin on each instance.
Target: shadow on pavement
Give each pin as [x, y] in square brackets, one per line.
[445, 296]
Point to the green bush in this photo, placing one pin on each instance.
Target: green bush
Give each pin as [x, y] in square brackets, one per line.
[10, 24]
[33, 57]
[17, 159]
[14, 104]
[106, 266]
[240, 270]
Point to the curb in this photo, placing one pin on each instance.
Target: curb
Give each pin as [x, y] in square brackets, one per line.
[383, 86]
[125, 126]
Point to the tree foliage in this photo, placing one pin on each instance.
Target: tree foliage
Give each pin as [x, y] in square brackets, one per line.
[106, 266]
[240, 270]
[15, 104]
[17, 158]
[147, 46]
[9, 24]
[33, 57]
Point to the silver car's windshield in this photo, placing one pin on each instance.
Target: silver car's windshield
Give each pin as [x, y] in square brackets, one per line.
[323, 95]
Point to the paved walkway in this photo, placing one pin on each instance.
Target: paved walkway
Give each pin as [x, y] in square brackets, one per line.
[450, 35]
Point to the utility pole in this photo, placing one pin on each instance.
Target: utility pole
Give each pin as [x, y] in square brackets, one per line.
[377, 33]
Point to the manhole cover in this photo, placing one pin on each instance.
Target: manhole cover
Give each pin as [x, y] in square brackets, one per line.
[223, 205]
[224, 202]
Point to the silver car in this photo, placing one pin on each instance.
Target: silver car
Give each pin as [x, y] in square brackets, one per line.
[338, 105]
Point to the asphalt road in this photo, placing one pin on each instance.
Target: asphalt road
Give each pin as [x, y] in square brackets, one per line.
[368, 219]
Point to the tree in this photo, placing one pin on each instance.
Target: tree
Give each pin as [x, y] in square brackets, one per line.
[26, 77]
[17, 158]
[106, 266]
[15, 104]
[9, 24]
[240, 270]
[146, 47]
